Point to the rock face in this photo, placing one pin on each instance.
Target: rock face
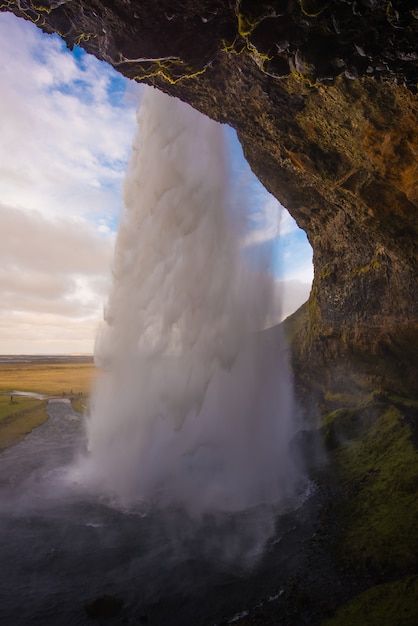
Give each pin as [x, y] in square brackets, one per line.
[322, 97]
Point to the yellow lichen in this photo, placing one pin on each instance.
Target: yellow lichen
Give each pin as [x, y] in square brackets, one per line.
[245, 24]
[166, 68]
[234, 47]
[303, 77]
[84, 37]
[26, 11]
[41, 8]
[372, 266]
[325, 273]
[308, 14]
[258, 57]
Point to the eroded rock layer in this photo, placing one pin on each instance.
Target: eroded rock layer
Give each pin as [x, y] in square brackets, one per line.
[322, 97]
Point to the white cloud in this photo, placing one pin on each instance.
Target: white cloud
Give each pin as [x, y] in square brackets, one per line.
[293, 294]
[26, 333]
[269, 223]
[58, 246]
[66, 139]
[64, 145]
[54, 276]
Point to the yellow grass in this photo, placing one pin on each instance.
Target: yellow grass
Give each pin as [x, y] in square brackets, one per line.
[20, 416]
[47, 378]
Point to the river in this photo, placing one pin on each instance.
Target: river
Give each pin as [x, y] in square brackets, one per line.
[62, 546]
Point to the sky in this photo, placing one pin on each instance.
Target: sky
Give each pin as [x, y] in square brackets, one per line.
[68, 122]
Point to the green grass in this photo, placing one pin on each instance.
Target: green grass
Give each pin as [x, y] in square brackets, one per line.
[8, 408]
[377, 473]
[18, 418]
[390, 604]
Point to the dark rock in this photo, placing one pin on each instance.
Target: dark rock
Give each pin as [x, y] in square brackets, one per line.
[104, 606]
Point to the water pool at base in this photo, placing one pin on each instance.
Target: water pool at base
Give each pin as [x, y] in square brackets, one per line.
[62, 546]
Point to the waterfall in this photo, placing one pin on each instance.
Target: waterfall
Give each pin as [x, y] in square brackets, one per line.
[195, 408]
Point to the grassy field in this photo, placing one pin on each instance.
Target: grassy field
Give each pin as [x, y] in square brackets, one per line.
[47, 378]
[391, 603]
[18, 414]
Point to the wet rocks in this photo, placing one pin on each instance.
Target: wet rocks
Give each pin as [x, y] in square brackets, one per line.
[103, 606]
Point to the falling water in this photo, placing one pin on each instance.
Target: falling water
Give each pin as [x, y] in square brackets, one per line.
[195, 410]
[186, 506]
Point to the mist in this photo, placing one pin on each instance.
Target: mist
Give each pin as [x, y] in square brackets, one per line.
[195, 411]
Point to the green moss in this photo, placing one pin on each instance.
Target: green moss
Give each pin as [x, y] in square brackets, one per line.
[377, 467]
[314, 313]
[340, 399]
[326, 272]
[393, 604]
[344, 425]
[372, 266]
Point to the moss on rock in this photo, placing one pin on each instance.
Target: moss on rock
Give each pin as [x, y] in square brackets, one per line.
[393, 603]
[378, 483]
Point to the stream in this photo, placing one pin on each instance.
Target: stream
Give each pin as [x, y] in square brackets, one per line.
[62, 546]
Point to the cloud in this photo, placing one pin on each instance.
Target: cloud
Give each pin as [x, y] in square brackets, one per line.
[67, 129]
[25, 333]
[65, 142]
[293, 294]
[269, 222]
[54, 276]
[57, 246]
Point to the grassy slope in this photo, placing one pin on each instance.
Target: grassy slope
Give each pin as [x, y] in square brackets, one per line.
[369, 425]
[379, 474]
[393, 604]
[374, 453]
[19, 417]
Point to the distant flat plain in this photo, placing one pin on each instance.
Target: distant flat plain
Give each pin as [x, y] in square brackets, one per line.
[47, 376]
